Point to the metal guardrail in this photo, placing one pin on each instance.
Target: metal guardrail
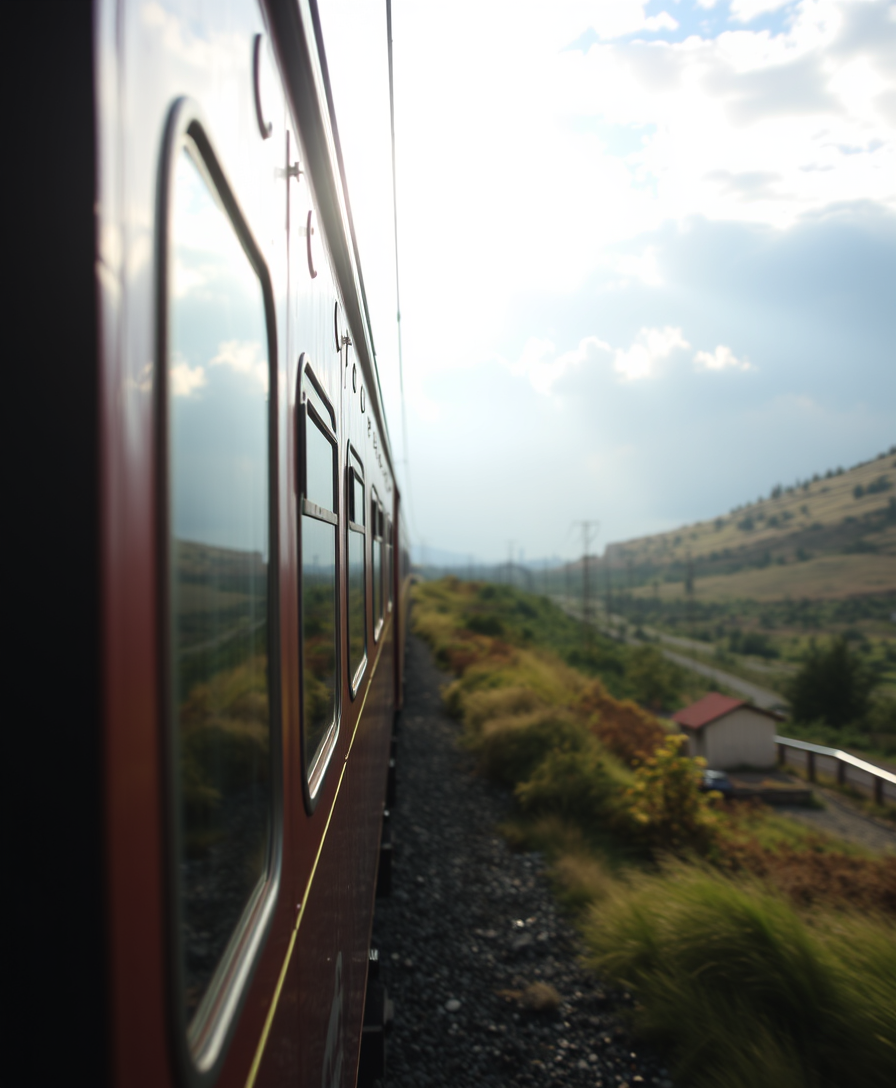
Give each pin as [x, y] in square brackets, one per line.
[844, 760]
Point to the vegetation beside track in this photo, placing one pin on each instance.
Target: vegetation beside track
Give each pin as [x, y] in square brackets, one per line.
[759, 951]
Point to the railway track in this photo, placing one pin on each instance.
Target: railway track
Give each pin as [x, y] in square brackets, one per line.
[471, 940]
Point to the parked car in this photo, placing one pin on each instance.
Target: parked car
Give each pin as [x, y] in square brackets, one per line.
[717, 780]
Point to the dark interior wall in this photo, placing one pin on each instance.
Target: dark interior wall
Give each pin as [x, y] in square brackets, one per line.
[53, 726]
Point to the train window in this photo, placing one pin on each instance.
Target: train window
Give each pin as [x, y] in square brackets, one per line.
[217, 440]
[319, 598]
[390, 573]
[357, 594]
[376, 554]
[319, 462]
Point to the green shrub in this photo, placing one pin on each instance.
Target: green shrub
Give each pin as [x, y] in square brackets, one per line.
[510, 749]
[655, 681]
[665, 807]
[484, 625]
[484, 705]
[579, 784]
[551, 682]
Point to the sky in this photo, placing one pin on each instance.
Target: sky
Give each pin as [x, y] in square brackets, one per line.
[647, 254]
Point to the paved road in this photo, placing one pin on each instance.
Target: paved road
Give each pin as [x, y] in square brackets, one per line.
[701, 648]
[762, 697]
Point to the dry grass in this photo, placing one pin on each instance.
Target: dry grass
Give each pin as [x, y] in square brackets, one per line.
[623, 727]
[582, 878]
[538, 997]
[825, 577]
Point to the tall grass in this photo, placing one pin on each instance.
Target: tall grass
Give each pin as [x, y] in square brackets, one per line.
[743, 989]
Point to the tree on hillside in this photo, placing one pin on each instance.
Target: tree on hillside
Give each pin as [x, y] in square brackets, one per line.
[834, 685]
[655, 681]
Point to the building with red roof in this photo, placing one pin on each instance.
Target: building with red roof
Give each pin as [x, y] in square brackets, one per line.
[728, 732]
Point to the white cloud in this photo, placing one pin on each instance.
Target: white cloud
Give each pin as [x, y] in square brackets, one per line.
[188, 276]
[615, 18]
[244, 357]
[663, 21]
[650, 346]
[745, 10]
[540, 363]
[185, 380]
[722, 358]
[644, 268]
[543, 367]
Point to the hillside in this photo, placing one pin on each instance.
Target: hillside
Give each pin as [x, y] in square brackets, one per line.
[831, 537]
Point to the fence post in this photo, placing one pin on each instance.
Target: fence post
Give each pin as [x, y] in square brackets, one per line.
[878, 791]
[841, 773]
[810, 765]
[782, 759]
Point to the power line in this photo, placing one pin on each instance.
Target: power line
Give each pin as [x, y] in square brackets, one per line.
[404, 414]
[586, 587]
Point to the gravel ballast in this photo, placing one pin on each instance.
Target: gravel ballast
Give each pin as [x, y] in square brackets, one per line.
[473, 949]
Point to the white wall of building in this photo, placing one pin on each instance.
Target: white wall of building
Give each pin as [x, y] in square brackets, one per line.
[742, 738]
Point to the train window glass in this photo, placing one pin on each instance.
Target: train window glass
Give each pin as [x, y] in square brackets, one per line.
[319, 599]
[318, 635]
[217, 384]
[376, 554]
[321, 406]
[357, 593]
[357, 499]
[320, 458]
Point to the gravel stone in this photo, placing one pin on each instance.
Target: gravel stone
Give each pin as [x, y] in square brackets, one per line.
[471, 927]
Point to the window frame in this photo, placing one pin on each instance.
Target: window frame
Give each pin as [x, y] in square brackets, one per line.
[313, 776]
[390, 560]
[378, 615]
[354, 468]
[201, 1048]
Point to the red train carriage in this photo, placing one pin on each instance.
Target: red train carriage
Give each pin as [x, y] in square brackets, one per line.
[213, 645]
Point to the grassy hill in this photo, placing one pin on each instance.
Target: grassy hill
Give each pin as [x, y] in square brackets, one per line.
[813, 559]
[849, 514]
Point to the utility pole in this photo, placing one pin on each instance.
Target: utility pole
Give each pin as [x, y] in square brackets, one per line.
[609, 593]
[587, 535]
[510, 562]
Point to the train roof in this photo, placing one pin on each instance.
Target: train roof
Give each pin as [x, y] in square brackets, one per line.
[298, 39]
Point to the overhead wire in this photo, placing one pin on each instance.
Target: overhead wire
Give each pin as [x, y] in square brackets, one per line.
[404, 415]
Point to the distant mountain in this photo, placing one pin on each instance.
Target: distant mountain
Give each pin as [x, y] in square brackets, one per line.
[831, 536]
